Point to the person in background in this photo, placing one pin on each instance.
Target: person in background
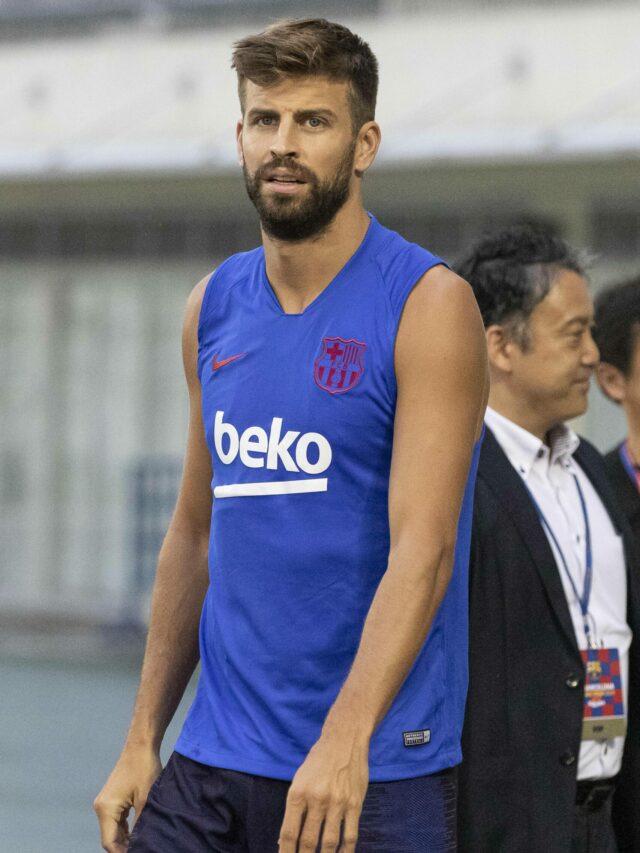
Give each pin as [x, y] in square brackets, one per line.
[617, 333]
[551, 746]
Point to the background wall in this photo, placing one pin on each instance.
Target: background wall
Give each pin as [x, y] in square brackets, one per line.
[119, 190]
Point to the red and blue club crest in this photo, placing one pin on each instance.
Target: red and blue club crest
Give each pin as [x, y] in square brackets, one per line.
[340, 364]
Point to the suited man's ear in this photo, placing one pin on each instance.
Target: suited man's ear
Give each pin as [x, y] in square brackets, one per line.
[612, 382]
[500, 346]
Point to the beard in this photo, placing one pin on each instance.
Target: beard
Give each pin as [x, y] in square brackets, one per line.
[291, 219]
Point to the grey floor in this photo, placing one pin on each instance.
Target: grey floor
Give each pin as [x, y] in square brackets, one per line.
[61, 728]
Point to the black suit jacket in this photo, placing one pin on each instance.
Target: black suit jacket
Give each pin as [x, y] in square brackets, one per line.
[523, 721]
[625, 491]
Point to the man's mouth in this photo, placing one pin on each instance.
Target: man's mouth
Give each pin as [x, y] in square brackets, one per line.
[283, 183]
[282, 179]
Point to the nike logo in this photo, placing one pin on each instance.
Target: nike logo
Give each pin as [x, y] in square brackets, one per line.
[216, 365]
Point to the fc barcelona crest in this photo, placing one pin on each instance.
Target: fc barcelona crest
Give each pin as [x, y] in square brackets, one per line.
[340, 364]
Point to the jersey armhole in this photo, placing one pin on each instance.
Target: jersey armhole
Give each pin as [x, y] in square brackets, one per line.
[414, 279]
[204, 311]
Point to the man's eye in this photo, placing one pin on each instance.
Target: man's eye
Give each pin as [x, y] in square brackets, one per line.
[265, 120]
[314, 121]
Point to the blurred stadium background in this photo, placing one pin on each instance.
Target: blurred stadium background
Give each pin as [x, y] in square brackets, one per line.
[119, 190]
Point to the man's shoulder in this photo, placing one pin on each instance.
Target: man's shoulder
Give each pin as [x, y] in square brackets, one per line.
[401, 265]
[621, 482]
[588, 454]
[497, 479]
[604, 479]
[392, 249]
[612, 457]
[238, 265]
[491, 451]
[589, 448]
[231, 271]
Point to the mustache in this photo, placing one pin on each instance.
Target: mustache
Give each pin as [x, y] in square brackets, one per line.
[298, 171]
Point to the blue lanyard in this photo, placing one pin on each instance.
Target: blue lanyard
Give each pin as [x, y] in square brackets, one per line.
[583, 600]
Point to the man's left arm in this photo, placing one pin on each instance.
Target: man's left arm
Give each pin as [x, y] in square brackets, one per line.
[441, 371]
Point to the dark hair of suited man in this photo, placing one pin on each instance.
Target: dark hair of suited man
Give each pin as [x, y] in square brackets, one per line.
[511, 271]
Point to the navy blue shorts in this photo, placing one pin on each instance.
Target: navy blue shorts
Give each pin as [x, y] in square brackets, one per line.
[193, 808]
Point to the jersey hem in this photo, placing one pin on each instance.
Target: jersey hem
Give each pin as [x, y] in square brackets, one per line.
[286, 772]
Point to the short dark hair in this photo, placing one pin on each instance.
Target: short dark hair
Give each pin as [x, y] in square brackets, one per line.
[511, 271]
[296, 48]
[618, 323]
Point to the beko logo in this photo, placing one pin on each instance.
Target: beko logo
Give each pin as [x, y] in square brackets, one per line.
[296, 452]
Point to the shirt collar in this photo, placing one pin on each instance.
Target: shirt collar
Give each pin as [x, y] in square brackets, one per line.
[523, 449]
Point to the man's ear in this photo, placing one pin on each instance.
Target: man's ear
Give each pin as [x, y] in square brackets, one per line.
[612, 382]
[500, 346]
[367, 145]
[239, 150]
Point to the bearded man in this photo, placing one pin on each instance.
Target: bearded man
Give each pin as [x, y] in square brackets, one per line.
[337, 379]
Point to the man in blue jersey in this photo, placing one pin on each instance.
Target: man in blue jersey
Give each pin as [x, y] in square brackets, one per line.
[337, 379]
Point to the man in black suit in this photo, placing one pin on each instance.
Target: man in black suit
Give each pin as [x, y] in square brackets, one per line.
[617, 334]
[551, 756]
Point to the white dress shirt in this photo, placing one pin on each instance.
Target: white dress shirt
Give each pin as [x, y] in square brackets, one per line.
[549, 474]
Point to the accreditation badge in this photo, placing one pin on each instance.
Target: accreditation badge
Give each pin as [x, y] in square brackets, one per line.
[604, 716]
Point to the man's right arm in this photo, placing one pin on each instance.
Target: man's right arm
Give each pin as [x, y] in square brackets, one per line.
[171, 653]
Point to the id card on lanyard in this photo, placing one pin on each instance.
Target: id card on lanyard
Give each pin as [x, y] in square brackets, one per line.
[603, 715]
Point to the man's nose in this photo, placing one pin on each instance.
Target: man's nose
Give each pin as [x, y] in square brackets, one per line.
[591, 355]
[285, 142]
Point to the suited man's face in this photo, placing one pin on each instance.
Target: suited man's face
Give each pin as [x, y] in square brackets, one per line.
[551, 373]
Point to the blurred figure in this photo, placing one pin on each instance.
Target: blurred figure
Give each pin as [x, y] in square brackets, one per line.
[553, 667]
[617, 334]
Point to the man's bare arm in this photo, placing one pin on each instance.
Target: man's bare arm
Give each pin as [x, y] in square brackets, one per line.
[182, 577]
[171, 652]
[441, 371]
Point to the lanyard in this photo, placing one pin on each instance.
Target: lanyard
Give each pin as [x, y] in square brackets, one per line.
[583, 600]
[631, 469]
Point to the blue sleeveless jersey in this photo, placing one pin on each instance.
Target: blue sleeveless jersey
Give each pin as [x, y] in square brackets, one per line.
[298, 411]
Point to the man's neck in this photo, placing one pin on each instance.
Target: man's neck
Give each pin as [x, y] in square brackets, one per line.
[299, 272]
[520, 413]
